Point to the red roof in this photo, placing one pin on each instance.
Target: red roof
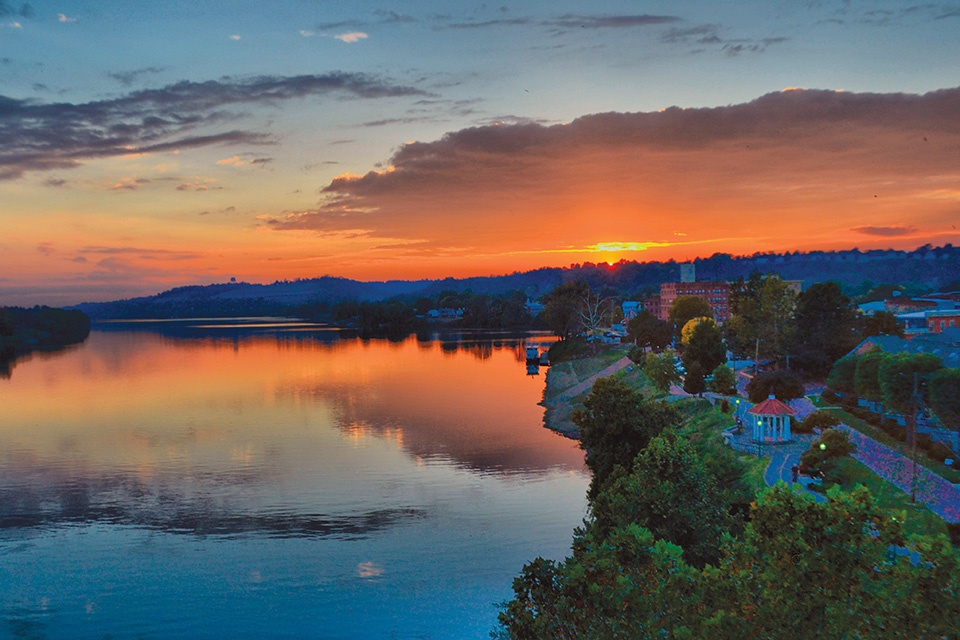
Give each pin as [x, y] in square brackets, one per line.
[772, 407]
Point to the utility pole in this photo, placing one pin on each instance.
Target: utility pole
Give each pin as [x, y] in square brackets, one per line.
[913, 441]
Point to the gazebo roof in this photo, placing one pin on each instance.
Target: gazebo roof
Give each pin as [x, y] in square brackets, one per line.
[772, 407]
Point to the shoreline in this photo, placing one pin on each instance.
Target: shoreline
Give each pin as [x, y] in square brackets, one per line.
[568, 383]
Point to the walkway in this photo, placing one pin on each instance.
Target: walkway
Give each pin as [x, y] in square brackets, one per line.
[586, 385]
[938, 494]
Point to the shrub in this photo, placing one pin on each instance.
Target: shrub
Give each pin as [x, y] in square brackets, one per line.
[637, 354]
[832, 443]
[817, 420]
[724, 406]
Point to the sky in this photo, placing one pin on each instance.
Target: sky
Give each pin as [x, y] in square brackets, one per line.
[150, 145]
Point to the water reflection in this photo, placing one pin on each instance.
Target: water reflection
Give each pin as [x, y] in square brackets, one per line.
[365, 487]
[159, 427]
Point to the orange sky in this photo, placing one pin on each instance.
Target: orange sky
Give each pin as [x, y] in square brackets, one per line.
[290, 168]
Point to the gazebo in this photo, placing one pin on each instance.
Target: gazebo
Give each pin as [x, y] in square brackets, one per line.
[772, 423]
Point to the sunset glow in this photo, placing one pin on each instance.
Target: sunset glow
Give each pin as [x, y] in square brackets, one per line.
[303, 144]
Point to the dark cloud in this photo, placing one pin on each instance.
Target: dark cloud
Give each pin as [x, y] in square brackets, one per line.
[572, 21]
[700, 33]
[502, 22]
[392, 17]
[787, 155]
[41, 136]
[261, 160]
[711, 35]
[54, 182]
[127, 78]
[353, 24]
[900, 230]
[138, 251]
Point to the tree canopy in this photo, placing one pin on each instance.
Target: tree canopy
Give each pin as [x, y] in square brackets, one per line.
[561, 308]
[783, 385]
[661, 369]
[763, 322]
[686, 308]
[649, 331]
[825, 328]
[615, 424]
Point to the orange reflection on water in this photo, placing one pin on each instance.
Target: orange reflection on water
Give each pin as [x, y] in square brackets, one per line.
[148, 402]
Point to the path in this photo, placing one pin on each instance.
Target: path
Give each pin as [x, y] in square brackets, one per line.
[938, 494]
[582, 387]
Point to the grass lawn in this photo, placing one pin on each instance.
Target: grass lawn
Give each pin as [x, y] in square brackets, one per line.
[702, 424]
[564, 375]
[918, 519]
[884, 438]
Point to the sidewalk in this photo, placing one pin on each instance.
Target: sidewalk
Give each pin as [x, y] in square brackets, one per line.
[586, 385]
[941, 496]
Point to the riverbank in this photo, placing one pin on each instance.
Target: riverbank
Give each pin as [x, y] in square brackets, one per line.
[569, 383]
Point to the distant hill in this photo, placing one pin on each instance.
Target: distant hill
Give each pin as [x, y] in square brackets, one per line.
[924, 268]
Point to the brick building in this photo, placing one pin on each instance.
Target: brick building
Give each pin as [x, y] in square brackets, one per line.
[717, 294]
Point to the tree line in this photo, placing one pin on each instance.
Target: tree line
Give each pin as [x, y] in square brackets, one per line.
[664, 553]
[22, 329]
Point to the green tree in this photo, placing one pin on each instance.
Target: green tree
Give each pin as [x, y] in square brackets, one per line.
[615, 424]
[801, 571]
[944, 389]
[693, 379]
[817, 420]
[763, 325]
[688, 328]
[832, 443]
[661, 369]
[842, 375]
[866, 377]
[881, 323]
[784, 385]
[686, 308]
[903, 374]
[825, 328]
[669, 492]
[724, 381]
[561, 308]
[649, 331]
[705, 347]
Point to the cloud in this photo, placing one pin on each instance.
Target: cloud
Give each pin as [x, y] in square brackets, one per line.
[234, 37]
[129, 184]
[392, 17]
[898, 230]
[63, 18]
[234, 161]
[127, 78]
[45, 248]
[36, 136]
[573, 21]
[784, 167]
[353, 36]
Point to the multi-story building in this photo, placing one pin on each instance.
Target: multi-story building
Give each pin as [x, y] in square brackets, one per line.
[717, 294]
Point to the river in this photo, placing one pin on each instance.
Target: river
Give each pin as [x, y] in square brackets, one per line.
[274, 479]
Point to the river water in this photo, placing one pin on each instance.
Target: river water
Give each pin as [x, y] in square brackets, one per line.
[269, 479]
